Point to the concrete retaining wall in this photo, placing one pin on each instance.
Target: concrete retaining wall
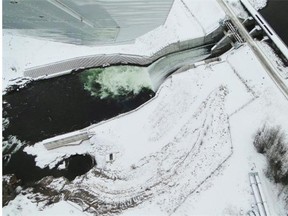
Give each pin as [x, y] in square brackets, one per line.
[55, 68]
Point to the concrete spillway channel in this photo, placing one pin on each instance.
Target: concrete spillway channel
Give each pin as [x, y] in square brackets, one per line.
[170, 58]
[163, 67]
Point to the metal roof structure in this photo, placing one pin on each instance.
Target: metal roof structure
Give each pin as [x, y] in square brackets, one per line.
[73, 138]
[85, 22]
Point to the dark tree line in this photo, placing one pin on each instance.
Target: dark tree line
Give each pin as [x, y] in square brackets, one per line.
[271, 142]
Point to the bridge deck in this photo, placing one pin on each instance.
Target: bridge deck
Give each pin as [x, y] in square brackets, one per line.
[267, 28]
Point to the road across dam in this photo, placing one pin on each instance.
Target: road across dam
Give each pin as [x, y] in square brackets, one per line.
[270, 69]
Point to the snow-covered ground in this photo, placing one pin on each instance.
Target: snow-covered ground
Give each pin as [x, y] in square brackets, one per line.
[229, 190]
[22, 205]
[188, 151]
[275, 60]
[194, 141]
[239, 9]
[20, 52]
[258, 4]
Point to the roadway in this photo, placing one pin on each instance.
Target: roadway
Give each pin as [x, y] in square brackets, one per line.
[270, 69]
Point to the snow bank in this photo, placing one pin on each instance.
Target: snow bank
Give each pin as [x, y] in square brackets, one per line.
[275, 60]
[232, 182]
[238, 9]
[23, 205]
[258, 4]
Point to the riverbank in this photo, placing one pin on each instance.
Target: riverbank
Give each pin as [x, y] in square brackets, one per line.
[277, 20]
[22, 52]
[228, 88]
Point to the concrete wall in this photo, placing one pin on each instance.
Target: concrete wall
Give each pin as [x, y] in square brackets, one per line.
[66, 66]
[73, 138]
[211, 37]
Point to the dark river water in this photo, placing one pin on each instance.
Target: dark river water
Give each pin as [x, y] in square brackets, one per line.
[275, 13]
[55, 106]
[60, 105]
[24, 167]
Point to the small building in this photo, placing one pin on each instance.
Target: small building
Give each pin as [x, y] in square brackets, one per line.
[110, 157]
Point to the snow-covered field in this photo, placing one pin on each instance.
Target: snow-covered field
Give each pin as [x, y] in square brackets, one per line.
[275, 60]
[190, 146]
[239, 9]
[188, 151]
[229, 190]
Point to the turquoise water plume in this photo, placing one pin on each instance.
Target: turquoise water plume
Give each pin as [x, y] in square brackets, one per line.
[116, 81]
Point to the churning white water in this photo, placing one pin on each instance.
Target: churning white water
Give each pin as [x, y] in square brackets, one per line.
[115, 81]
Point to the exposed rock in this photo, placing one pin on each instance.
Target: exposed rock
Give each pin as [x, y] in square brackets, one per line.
[9, 184]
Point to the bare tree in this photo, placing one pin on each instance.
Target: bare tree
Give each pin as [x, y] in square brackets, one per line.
[266, 137]
[271, 142]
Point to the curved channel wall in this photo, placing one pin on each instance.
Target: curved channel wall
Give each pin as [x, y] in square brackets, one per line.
[67, 66]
